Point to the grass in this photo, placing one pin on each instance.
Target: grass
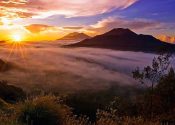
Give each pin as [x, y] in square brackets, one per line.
[49, 110]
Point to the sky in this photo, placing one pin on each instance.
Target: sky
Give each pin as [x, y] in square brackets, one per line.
[52, 19]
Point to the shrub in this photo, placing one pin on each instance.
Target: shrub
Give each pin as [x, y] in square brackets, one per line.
[42, 111]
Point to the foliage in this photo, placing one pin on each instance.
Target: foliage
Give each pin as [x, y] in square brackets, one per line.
[165, 90]
[42, 111]
[155, 72]
[48, 111]
[109, 116]
[87, 103]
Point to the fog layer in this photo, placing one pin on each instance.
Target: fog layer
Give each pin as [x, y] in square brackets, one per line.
[49, 66]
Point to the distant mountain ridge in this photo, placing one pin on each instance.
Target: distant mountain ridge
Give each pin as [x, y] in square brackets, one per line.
[75, 36]
[120, 32]
[125, 40]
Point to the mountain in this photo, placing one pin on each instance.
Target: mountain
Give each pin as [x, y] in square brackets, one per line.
[126, 40]
[75, 36]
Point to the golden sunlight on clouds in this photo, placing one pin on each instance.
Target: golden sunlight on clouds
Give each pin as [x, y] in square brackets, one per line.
[34, 32]
[11, 32]
[5, 21]
[46, 8]
[37, 28]
[40, 32]
[27, 10]
[170, 39]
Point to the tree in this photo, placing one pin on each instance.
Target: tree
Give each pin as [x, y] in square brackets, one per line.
[166, 91]
[152, 74]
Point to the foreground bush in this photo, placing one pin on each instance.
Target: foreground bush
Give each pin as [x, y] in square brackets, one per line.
[8, 121]
[48, 110]
[42, 111]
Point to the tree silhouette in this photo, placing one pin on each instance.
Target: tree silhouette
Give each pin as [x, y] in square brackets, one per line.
[152, 74]
[166, 91]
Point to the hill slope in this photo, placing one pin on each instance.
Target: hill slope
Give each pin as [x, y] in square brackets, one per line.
[75, 36]
[126, 40]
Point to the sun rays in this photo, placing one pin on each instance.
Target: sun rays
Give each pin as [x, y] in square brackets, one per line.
[16, 47]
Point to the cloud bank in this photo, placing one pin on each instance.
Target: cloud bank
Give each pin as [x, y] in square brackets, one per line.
[117, 22]
[37, 28]
[48, 66]
[45, 8]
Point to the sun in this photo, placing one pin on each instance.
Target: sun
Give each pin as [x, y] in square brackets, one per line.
[17, 38]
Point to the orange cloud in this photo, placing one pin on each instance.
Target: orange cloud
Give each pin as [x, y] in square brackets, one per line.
[39, 32]
[14, 9]
[37, 28]
[170, 39]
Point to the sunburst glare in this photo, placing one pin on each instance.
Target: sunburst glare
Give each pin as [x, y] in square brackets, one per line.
[16, 38]
[16, 45]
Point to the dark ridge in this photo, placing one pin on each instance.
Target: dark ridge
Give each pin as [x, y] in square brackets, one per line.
[126, 40]
[120, 32]
[75, 36]
[11, 93]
